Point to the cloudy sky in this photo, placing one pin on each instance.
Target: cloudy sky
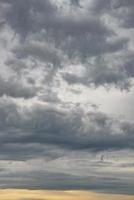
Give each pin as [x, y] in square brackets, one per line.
[66, 95]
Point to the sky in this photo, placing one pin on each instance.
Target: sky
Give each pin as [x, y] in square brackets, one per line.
[57, 195]
[66, 99]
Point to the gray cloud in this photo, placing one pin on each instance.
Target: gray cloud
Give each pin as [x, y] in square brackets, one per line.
[49, 49]
[101, 73]
[39, 51]
[16, 89]
[21, 15]
[50, 37]
[61, 181]
[43, 125]
[123, 10]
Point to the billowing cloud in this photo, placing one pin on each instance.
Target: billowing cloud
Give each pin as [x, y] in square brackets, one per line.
[15, 88]
[67, 73]
[68, 129]
[78, 36]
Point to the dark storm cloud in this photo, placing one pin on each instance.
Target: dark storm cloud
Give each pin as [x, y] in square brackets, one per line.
[22, 152]
[29, 15]
[74, 36]
[41, 44]
[65, 130]
[21, 15]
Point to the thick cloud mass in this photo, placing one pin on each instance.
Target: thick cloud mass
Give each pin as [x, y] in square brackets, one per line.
[66, 94]
[70, 130]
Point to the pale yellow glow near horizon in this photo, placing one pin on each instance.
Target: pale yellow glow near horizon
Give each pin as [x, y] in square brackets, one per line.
[12, 194]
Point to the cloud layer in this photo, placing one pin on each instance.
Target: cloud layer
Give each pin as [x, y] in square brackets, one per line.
[60, 62]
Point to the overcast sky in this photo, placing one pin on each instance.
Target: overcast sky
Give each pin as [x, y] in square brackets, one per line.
[66, 95]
